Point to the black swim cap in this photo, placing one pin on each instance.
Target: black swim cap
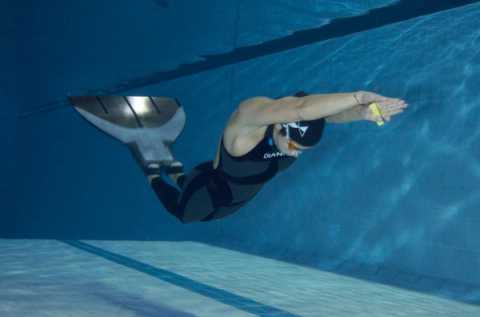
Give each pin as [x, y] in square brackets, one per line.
[307, 132]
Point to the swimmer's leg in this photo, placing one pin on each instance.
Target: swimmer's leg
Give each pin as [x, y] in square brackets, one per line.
[174, 171]
[193, 200]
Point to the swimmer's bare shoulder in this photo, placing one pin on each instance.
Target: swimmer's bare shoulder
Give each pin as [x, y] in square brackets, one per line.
[246, 126]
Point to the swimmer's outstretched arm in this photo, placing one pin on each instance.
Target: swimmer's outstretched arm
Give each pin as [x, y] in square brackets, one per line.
[261, 111]
[318, 106]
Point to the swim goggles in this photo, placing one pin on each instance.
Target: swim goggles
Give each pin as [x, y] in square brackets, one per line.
[286, 132]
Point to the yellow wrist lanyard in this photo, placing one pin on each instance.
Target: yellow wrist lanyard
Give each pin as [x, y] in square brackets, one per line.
[377, 112]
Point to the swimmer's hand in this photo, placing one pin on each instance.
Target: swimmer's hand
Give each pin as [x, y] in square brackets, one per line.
[388, 107]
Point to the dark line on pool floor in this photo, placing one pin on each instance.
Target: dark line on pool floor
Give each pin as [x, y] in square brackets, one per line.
[220, 295]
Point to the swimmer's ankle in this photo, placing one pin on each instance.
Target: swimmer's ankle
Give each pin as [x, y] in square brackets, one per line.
[174, 171]
[152, 177]
[177, 178]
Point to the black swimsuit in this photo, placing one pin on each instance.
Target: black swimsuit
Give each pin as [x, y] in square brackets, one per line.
[209, 193]
[245, 175]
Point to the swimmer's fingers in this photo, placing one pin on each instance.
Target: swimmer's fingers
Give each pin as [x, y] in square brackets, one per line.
[392, 108]
[392, 103]
[389, 114]
[383, 110]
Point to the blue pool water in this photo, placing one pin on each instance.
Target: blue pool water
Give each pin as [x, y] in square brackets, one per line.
[394, 207]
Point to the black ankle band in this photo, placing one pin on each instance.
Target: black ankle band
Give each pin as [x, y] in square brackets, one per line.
[174, 169]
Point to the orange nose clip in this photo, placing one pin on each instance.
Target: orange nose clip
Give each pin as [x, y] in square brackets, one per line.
[293, 147]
